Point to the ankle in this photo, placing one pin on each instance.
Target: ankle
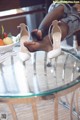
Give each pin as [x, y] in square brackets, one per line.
[36, 34]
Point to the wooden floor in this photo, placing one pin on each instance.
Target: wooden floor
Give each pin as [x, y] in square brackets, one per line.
[45, 111]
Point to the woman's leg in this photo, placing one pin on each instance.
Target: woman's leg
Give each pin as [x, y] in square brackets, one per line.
[55, 14]
[68, 27]
[45, 44]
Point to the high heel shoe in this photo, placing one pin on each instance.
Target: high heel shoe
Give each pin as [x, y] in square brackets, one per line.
[24, 54]
[55, 34]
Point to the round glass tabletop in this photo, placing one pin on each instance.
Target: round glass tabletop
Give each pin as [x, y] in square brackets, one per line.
[38, 76]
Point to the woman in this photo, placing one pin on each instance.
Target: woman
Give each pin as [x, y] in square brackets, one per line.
[69, 24]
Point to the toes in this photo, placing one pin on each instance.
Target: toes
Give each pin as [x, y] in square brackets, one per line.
[29, 43]
[31, 46]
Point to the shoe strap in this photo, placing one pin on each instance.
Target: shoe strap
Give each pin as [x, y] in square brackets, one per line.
[26, 26]
[49, 34]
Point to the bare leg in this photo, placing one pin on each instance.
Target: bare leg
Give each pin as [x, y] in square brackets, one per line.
[42, 42]
[55, 14]
[45, 44]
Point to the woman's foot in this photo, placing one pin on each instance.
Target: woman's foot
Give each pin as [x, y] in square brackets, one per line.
[43, 45]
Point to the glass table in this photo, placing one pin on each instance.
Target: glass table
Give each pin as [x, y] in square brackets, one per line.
[54, 82]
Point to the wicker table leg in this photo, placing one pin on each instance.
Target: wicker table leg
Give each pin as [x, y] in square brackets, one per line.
[34, 109]
[12, 111]
[56, 108]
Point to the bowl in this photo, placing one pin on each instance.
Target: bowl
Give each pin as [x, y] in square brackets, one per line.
[7, 48]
